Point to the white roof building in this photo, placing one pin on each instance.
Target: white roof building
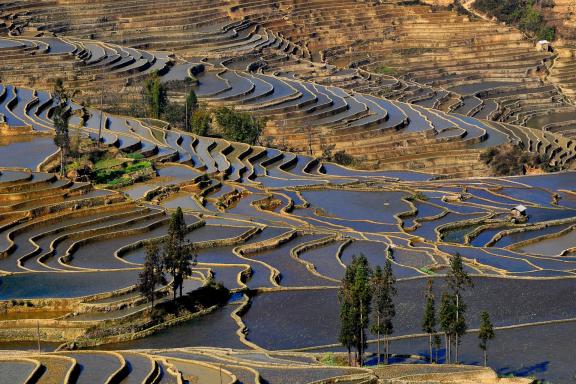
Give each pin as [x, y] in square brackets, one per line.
[520, 208]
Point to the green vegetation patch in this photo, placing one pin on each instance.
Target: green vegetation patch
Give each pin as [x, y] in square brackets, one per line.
[524, 14]
[239, 126]
[508, 160]
[385, 70]
[118, 173]
[427, 271]
[107, 163]
[135, 156]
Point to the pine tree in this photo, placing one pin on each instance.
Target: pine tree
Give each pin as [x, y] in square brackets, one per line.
[458, 280]
[354, 297]
[152, 275]
[347, 310]
[362, 296]
[447, 320]
[389, 311]
[178, 255]
[429, 321]
[60, 118]
[156, 96]
[191, 104]
[437, 340]
[378, 303]
[486, 333]
[346, 335]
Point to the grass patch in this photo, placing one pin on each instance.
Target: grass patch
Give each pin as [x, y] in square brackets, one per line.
[120, 181]
[331, 360]
[385, 70]
[107, 163]
[328, 359]
[119, 176]
[134, 167]
[135, 156]
[427, 271]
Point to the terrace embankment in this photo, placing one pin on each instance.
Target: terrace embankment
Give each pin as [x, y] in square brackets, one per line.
[225, 366]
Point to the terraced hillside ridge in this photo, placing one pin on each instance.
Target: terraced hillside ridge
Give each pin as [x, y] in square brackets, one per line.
[290, 231]
[224, 29]
[313, 98]
[380, 133]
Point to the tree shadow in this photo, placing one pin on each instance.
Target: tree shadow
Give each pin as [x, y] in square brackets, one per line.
[525, 371]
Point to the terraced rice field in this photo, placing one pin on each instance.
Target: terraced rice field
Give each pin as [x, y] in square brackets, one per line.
[295, 272]
[412, 93]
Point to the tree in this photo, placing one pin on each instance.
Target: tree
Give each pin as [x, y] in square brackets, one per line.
[378, 303]
[191, 104]
[156, 96]
[175, 114]
[486, 333]
[437, 340]
[178, 255]
[389, 310]
[362, 296]
[447, 319]
[200, 122]
[346, 334]
[458, 280]
[355, 297]
[239, 126]
[347, 311]
[60, 119]
[76, 139]
[153, 273]
[179, 114]
[309, 130]
[429, 321]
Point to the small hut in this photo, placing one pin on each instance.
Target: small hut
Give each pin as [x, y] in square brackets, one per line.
[544, 46]
[519, 213]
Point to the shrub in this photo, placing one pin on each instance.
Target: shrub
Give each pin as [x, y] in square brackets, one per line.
[343, 158]
[508, 160]
[419, 195]
[105, 176]
[239, 126]
[328, 359]
[200, 122]
[213, 293]
[197, 69]
[120, 181]
[175, 114]
[547, 33]
[459, 8]
[78, 164]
